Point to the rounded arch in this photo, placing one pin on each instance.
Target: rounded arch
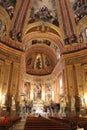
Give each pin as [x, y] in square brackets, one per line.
[82, 24]
[50, 36]
[42, 49]
[82, 30]
[47, 61]
[5, 18]
[41, 23]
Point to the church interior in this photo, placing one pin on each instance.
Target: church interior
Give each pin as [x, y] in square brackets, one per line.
[43, 58]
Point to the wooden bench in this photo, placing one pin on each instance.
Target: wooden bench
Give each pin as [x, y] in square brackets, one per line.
[40, 123]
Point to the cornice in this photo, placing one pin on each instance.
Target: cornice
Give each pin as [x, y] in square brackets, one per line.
[40, 79]
[10, 50]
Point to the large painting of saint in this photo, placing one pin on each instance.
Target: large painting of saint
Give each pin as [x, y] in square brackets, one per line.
[27, 88]
[48, 93]
[37, 91]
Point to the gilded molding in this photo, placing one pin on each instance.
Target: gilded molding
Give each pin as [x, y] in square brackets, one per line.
[76, 59]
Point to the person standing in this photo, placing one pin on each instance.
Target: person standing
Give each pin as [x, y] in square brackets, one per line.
[71, 127]
[79, 127]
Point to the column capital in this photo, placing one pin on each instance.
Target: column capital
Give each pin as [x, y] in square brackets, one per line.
[8, 61]
[77, 65]
[69, 66]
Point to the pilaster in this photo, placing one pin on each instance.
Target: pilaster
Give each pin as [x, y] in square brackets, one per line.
[78, 69]
[15, 80]
[84, 79]
[65, 83]
[32, 92]
[43, 92]
[22, 71]
[70, 79]
[70, 87]
[53, 92]
[57, 91]
[1, 78]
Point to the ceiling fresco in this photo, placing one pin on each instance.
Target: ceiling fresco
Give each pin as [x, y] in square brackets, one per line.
[80, 9]
[44, 10]
[9, 6]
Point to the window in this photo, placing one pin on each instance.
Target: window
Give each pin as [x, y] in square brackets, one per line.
[86, 32]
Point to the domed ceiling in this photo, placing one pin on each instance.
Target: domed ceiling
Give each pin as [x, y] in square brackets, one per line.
[33, 26]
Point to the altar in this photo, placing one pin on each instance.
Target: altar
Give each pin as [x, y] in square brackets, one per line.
[38, 108]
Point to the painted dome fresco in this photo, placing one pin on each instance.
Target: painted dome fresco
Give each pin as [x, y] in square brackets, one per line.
[38, 28]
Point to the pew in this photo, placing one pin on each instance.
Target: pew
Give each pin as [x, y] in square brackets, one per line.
[9, 124]
[40, 123]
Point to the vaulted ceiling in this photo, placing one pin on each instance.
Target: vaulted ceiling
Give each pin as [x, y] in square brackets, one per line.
[33, 27]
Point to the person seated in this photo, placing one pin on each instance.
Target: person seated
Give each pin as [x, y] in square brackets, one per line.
[79, 127]
[39, 115]
[4, 120]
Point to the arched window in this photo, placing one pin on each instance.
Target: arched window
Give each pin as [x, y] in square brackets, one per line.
[61, 85]
[0, 24]
[86, 32]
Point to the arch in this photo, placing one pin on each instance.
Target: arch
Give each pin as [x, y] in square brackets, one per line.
[5, 17]
[42, 48]
[50, 36]
[82, 24]
[41, 23]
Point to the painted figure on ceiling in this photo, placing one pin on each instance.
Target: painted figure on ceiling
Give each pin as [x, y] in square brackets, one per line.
[9, 6]
[2, 29]
[43, 10]
[80, 9]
